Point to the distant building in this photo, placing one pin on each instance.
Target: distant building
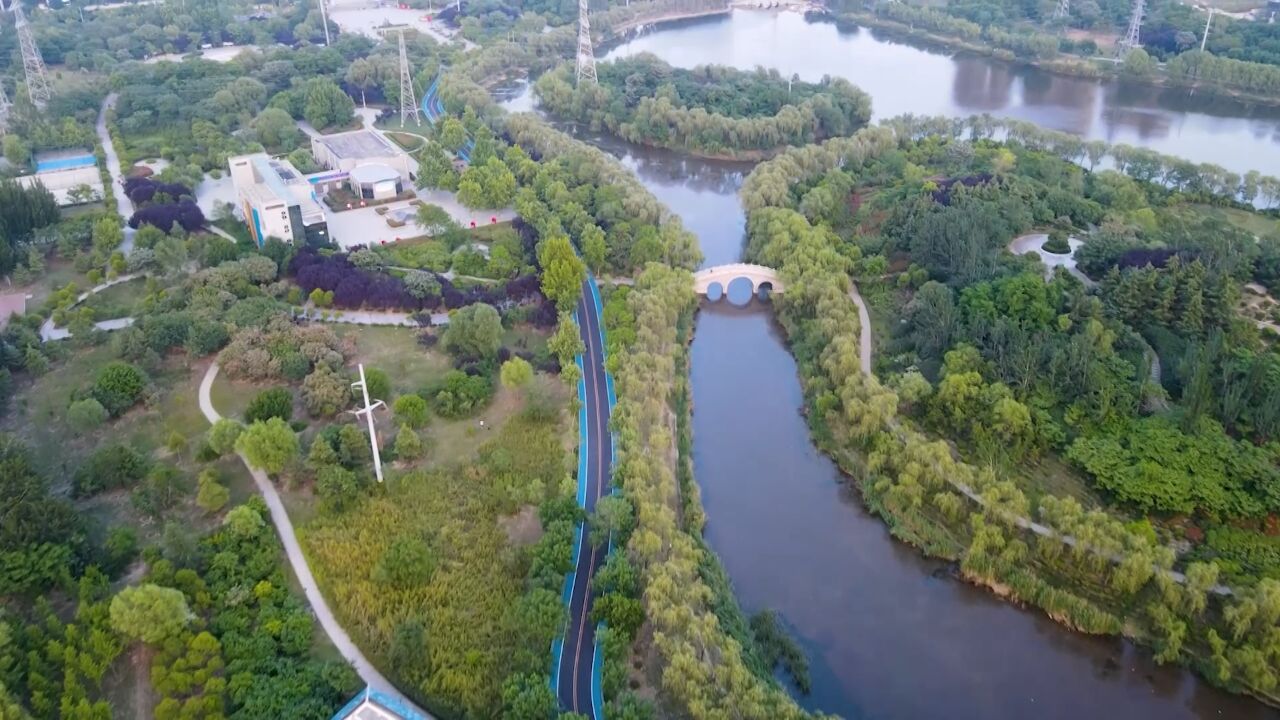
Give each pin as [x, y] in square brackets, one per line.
[373, 705]
[375, 168]
[277, 200]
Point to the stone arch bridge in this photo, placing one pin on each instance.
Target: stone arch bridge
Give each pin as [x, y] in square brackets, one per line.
[759, 276]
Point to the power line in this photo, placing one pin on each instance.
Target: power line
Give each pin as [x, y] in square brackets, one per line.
[1063, 10]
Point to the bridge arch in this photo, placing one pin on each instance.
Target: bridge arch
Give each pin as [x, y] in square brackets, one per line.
[758, 275]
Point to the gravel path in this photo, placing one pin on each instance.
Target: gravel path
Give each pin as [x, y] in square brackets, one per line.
[298, 561]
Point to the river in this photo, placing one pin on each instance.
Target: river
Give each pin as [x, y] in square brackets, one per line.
[889, 634]
[904, 78]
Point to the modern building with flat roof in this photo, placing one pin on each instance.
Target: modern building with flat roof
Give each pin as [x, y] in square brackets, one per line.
[277, 200]
[369, 159]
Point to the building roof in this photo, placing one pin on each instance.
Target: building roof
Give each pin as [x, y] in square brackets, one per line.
[373, 705]
[357, 145]
[373, 173]
[278, 180]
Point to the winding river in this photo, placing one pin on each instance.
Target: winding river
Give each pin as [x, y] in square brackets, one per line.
[888, 633]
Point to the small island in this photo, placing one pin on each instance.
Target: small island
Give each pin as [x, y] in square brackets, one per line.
[710, 111]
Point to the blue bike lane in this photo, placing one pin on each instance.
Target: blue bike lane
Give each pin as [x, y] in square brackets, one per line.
[577, 661]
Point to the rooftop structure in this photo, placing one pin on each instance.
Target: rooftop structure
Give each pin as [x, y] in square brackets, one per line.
[373, 705]
[347, 151]
[277, 200]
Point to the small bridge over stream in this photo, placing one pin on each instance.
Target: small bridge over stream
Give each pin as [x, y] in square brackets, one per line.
[759, 276]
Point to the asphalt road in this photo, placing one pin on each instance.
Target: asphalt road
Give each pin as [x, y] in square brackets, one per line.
[574, 673]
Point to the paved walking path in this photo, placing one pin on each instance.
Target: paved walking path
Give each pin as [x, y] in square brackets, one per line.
[370, 317]
[298, 561]
[864, 331]
[124, 206]
[1023, 522]
[49, 331]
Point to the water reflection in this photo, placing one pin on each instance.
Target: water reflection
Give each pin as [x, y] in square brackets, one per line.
[907, 78]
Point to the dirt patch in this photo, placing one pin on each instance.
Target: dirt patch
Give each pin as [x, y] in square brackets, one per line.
[522, 528]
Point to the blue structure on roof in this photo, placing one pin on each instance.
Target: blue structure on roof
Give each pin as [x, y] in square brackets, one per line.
[377, 704]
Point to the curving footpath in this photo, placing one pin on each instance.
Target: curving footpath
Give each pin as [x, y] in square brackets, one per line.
[576, 656]
[298, 561]
[1023, 522]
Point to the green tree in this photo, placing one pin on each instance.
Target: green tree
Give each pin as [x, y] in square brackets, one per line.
[276, 130]
[1138, 63]
[528, 697]
[269, 444]
[594, 249]
[566, 342]
[325, 105]
[407, 562]
[222, 436]
[613, 516]
[150, 613]
[86, 415]
[516, 373]
[325, 392]
[474, 332]
[411, 410]
[211, 495]
[562, 273]
[452, 134]
[338, 488]
[118, 386]
[274, 402]
[408, 444]
[379, 385]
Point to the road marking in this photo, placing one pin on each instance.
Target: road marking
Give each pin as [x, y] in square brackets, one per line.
[600, 467]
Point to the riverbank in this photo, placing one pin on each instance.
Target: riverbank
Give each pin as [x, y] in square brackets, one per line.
[1063, 65]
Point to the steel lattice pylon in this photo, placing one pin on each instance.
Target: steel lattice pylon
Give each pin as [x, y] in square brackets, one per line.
[408, 98]
[32, 63]
[586, 57]
[1131, 37]
[1063, 10]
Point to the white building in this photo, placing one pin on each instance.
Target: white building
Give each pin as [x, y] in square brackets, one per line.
[375, 168]
[277, 200]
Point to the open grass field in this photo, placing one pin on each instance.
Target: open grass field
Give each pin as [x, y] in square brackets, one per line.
[117, 301]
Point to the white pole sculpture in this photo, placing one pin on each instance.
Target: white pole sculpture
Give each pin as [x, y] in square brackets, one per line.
[367, 411]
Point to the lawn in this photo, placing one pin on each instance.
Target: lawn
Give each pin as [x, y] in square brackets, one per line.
[405, 140]
[1258, 224]
[57, 274]
[117, 301]
[396, 351]
[37, 415]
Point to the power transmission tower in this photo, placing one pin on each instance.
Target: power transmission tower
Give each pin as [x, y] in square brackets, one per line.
[586, 57]
[1131, 37]
[367, 411]
[32, 63]
[1063, 10]
[408, 99]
